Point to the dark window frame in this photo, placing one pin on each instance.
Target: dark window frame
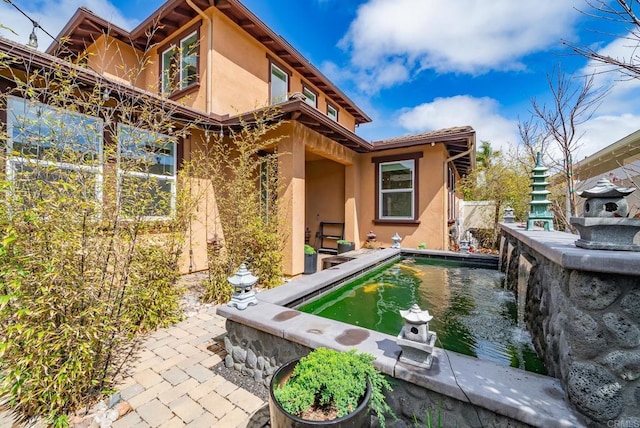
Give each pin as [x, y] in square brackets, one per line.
[415, 156]
[451, 188]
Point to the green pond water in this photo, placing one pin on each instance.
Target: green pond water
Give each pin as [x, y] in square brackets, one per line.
[472, 313]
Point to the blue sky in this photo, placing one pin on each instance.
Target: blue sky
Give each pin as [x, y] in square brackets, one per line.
[420, 65]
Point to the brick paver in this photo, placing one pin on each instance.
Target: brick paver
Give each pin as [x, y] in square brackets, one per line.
[188, 393]
[171, 384]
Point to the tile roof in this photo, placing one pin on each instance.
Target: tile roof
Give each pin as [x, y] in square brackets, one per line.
[437, 135]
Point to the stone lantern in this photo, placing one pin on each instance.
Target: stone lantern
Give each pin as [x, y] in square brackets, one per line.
[396, 240]
[243, 291]
[605, 225]
[509, 216]
[415, 339]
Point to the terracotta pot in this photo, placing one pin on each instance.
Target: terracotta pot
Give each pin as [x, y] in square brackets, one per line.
[359, 418]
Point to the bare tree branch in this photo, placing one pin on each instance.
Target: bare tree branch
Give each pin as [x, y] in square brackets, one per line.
[574, 101]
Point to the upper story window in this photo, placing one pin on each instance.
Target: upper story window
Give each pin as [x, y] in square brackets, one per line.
[310, 97]
[180, 64]
[279, 84]
[146, 173]
[54, 146]
[332, 112]
[397, 187]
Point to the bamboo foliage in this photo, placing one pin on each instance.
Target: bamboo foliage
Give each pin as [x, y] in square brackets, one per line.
[91, 230]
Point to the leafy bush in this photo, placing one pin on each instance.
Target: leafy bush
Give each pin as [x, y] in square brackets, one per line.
[329, 378]
[242, 170]
[82, 271]
[309, 250]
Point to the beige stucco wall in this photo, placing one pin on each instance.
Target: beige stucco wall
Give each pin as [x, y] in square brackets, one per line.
[432, 229]
[240, 68]
[118, 60]
[205, 223]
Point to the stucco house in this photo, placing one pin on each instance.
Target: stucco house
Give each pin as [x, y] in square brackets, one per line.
[229, 64]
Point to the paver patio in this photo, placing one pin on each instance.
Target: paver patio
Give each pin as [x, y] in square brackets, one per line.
[171, 384]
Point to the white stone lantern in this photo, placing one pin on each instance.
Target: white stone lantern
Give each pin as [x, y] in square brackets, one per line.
[243, 292]
[396, 240]
[416, 324]
[415, 339]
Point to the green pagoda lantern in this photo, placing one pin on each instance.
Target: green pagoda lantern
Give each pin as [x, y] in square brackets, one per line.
[539, 211]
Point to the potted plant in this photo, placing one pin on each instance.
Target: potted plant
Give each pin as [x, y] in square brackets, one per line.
[310, 259]
[328, 388]
[344, 246]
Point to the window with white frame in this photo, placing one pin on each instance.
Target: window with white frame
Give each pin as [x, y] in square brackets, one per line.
[332, 112]
[146, 173]
[279, 86]
[54, 146]
[180, 65]
[310, 97]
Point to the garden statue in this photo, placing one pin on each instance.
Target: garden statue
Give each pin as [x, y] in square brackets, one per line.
[243, 292]
[539, 203]
[605, 225]
[396, 240]
[415, 339]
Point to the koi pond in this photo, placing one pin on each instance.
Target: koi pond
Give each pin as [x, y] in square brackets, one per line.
[473, 314]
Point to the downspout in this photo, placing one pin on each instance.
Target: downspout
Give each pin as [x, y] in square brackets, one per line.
[446, 177]
[209, 81]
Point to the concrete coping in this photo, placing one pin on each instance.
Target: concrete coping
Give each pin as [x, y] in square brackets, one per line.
[527, 397]
[560, 248]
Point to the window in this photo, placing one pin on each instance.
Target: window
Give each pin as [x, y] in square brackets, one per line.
[180, 66]
[279, 85]
[397, 188]
[146, 173]
[53, 145]
[310, 97]
[451, 188]
[332, 112]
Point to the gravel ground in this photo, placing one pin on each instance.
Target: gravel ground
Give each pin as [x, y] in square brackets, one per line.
[246, 382]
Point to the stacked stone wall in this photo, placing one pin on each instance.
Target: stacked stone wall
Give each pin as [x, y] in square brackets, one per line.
[586, 327]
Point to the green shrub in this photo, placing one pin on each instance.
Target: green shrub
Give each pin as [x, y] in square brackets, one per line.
[309, 250]
[81, 275]
[242, 170]
[335, 379]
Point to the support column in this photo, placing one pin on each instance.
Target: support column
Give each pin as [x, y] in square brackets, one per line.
[291, 167]
[351, 199]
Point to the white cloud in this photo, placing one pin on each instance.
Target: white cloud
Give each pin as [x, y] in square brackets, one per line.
[52, 15]
[480, 113]
[619, 113]
[464, 36]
